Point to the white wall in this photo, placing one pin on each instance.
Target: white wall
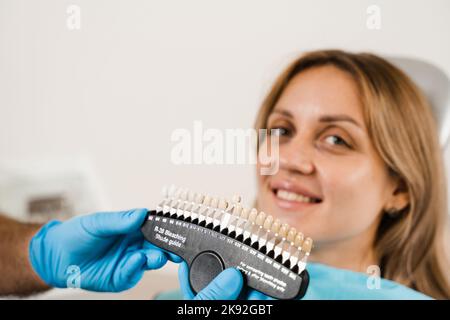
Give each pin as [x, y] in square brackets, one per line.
[116, 89]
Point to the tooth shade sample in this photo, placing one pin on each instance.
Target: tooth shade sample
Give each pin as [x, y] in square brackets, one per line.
[171, 190]
[307, 245]
[268, 222]
[283, 230]
[237, 198]
[207, 200]
[260, 218]
[165, 191]
[298, 241]
[276, 226]
[199, 198]
[223, 204]
[291, 234]
[214, 202]
[252, 215]
[237, 209]
[244, 213]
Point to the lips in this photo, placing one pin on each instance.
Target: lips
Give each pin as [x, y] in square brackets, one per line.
[292, 196]
[288, 194]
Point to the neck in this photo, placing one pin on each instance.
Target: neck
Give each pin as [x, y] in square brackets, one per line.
[355, 253]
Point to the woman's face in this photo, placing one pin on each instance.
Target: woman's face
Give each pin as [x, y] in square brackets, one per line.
[331, 183]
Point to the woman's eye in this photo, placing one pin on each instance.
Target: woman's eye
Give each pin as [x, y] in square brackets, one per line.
[336, 140]
[279, 131]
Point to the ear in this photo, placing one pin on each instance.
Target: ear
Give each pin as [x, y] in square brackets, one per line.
[399, 197]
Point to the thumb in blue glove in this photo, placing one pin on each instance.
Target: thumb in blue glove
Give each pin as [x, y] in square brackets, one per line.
[227, 285]
[106, 250]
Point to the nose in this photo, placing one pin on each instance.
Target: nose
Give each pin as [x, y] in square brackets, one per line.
[297, 157]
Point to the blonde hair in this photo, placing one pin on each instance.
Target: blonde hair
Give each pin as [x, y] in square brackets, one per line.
[409, 245]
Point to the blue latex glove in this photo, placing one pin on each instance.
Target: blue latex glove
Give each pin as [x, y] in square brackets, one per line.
[99, 252]
[226, 286]
[326, 283]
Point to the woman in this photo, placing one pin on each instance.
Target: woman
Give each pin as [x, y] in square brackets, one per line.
[360, 171]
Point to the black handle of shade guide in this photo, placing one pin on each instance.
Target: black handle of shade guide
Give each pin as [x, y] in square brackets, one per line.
[208, 252]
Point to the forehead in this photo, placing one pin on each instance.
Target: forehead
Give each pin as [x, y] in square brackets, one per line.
[321, 91]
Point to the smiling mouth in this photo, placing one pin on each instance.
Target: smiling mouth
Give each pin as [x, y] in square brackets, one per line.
[294, 197]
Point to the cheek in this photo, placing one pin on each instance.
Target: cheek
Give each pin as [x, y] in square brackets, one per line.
[353, 194]
[263, 197]
[262, 153]
[260, 178]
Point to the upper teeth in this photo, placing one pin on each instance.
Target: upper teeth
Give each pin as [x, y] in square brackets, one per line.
[292, 196]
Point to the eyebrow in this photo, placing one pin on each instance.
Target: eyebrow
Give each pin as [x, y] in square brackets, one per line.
[339, 117]
[326, 118]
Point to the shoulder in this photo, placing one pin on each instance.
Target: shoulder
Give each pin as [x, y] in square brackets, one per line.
[332, 283]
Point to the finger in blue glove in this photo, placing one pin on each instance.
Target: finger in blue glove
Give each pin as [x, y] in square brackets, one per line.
[227, 285]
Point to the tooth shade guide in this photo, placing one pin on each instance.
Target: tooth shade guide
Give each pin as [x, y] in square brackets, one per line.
[262, 232]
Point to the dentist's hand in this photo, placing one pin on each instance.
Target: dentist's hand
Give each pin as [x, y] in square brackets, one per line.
[228, 285]
[99, 252]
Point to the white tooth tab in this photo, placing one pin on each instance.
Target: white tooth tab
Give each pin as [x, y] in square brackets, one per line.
[291, 234]
[165, 191]
[177, 193]
[245, 212]
[223, 204]
[171, 190]
[307, 245]
[283, 230]
[268, 222]
[206, 200]
[298, 241]
[252, 215]
[260, 218]
[276, 226]
[237, 198]
[237, 209]
[214, 202]
[199, 198]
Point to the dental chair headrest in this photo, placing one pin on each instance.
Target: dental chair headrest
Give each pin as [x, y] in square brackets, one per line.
[436, 86]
